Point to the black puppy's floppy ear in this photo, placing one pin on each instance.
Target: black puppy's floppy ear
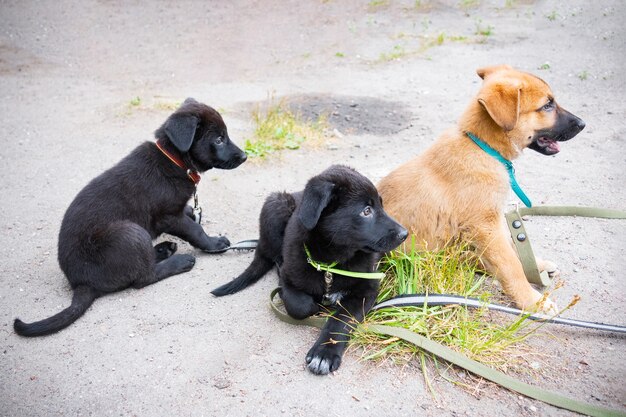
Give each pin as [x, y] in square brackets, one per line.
[180, 129]
[190, 100]
[316, 196]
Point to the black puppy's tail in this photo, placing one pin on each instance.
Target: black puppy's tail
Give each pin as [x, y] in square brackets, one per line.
[275, 214]
[82, 299]
[260, 266]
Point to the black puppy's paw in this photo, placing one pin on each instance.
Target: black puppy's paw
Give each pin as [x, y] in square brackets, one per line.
[164, 250]
[218, 245]
[183, 263]
[323, 359]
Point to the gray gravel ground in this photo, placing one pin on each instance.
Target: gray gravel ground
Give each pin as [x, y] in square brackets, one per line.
[68, 71]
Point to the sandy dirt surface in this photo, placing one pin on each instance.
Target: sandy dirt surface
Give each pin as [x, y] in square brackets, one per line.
[68, 71]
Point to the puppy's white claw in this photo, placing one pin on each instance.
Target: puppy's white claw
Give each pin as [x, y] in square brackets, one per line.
[319, 366]
[554, 273]
[552, 269]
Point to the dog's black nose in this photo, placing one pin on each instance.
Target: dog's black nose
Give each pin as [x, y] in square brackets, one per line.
[243, 157]
[403, 234]
[580, 124]
[574, 122]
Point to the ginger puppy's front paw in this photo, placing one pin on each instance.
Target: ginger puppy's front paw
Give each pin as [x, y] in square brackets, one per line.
[550, 267]
[537, 302]
[547, 306]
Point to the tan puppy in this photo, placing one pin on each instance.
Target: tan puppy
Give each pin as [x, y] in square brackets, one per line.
[455, 190]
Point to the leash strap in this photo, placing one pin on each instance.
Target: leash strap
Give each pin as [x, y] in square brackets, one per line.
[502, 379]
[507, 164]
[573, 211]
[527, 258]
[249, 245]
[464, 362]
[522, 242]
[431, 300]
[331, 268]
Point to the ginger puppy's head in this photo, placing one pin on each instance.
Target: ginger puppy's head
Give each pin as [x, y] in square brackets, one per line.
[523, 107]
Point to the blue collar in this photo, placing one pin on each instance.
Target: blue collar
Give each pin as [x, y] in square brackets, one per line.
[507, 164]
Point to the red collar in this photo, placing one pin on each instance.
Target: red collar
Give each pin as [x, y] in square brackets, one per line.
[193, 175]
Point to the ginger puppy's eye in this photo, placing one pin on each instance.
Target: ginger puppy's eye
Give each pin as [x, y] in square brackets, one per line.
[549, 106]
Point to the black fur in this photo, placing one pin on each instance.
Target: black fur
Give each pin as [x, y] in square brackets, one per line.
[340, 218]
[105, 242]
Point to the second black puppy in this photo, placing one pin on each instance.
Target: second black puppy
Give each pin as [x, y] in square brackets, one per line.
[338, 218]
[105, 242]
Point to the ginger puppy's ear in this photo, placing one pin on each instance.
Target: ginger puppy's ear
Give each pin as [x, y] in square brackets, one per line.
[487, 71]
[501, 99]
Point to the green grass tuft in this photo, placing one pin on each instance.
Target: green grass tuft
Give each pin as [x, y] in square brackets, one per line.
[493, 339]
[552, 16]
[467, 4]
[378, 3]
[483, 30]
[397, 53]
[278, 128]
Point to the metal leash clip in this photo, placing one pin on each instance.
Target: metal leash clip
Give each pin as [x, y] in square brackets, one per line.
[196, 212]
[328, 282]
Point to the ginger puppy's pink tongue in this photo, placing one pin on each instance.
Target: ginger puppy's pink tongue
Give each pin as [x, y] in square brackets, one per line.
[554, 146]
[549, 144]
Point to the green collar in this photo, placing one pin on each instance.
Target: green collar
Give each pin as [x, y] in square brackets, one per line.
[507, 164]
[331, 268]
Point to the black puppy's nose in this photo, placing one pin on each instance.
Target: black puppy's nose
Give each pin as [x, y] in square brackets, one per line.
[242, 157]
[403, 234]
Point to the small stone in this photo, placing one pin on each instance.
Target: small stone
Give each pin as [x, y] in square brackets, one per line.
[221, 383]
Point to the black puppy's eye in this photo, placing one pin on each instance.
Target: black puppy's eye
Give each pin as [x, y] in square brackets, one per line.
[367, 211]
[219, 140]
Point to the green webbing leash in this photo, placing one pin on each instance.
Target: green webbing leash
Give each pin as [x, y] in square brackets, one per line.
[507, 164]
[313, 321]
[320, 266]
[493, 375]
[522, 242]
[458, 359]
[573, 211]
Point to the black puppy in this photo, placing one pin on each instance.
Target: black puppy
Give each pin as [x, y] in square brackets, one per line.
[339, 217]
[105, 242]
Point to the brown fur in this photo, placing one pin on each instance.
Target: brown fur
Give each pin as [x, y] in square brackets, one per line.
[454, 190]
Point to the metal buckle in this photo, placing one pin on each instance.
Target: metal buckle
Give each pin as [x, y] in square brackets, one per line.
[196, 211]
